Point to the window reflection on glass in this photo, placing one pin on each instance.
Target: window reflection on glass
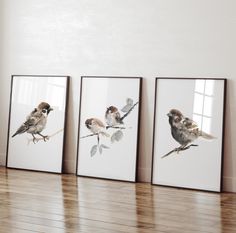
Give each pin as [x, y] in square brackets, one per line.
[203, 100]
[209, 87]
[25, 91]
[198, 119]
[56, 92]
[206, 124]
[199, 86]
[30, 89]
[207, 106]
[197, 106]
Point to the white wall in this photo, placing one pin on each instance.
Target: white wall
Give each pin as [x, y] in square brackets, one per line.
[184, 38]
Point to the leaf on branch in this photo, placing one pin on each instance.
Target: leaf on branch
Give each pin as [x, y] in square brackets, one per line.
[104, 146]
[93, 150]
[126, 108]
[101, 147]
[100, 150]
[129, 111]
[117, 136]
[129, 101]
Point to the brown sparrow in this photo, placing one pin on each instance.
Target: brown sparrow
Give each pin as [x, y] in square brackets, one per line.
[96, 126]
[184, 130]
[113, 117]
[36, 122]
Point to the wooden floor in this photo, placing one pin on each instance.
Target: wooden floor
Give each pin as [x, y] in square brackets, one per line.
[41, 202]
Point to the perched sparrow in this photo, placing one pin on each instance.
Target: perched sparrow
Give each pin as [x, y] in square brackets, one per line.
[96, 126]
[36, 121]
[183, 129]
[113, 117]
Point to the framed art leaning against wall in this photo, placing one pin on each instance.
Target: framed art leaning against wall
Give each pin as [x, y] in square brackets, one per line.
[37, 122]
[109, 126]
[188, 133]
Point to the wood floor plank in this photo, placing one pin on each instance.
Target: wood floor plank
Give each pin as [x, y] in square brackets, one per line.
[43, 202]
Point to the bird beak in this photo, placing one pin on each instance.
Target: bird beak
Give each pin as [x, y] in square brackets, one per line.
[168, 114]
[49, 110]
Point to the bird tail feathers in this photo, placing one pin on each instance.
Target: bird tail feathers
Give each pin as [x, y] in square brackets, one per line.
[21, 130]
[206, 135]
[14, 134]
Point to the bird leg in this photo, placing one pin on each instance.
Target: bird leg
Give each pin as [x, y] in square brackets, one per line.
[184, 147]
[187, 147]
[178, 149]
[34, 139]
[45, 138]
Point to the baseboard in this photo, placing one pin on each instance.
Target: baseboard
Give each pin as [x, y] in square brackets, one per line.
[2, 159]
[229, 184]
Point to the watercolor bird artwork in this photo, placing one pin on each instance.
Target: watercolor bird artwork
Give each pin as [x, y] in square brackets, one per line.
[113, 120]
[185, 131]
[36, 122]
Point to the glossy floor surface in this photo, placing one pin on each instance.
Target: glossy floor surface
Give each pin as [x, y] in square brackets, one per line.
[42, 202]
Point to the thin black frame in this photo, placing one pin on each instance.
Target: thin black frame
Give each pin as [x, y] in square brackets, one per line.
[65, 120]
[138, 126]
[223, 131]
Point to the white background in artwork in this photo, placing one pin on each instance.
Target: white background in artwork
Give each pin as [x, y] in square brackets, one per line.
[27, 93]
[118, 162]
[198, 167]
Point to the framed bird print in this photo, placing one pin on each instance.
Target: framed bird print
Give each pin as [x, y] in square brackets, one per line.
[188, 133]
[109, 127]
[37, 122]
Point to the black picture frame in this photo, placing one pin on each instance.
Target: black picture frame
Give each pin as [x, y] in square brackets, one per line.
[81, 124]
[61, 117]
[172, 87]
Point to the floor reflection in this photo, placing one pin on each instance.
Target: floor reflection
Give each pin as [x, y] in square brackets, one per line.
[33, 201]
[178, 210]
[228, 213]
[5, 199]
[41, 202]
[107, 206]
[144, 208]
[71, 214]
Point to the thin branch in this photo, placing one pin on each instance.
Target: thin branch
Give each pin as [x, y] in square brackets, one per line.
[126, 114]
[178, 149]
[89, 135]
[42, 139]
[114, 127]
[57, 132]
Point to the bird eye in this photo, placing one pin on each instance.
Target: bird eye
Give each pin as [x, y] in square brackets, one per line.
[44, 111]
